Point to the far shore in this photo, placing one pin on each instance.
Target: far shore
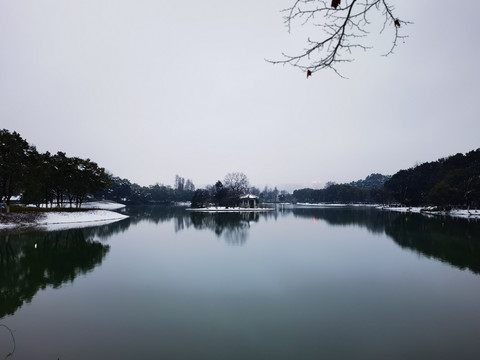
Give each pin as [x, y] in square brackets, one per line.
[99, 213]
[230, 209]
[461, 213]
[426, 210]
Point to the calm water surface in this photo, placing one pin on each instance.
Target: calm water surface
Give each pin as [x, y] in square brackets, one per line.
[297, 283]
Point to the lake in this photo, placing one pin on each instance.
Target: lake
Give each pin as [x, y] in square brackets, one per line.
[294, 283]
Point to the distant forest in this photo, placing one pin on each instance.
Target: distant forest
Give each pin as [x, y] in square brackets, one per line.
[125, 192]
[368, 191]
[453, 181]
[56, 179]
[234, 184]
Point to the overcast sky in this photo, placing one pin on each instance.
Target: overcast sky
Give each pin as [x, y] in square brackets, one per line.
[151, 88]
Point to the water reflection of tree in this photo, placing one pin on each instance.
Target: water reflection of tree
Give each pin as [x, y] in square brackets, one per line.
[370, 218]
[32, 261]
[104, 232]
[158, 214]
[183, 219]
[234, 227]
[451, 240]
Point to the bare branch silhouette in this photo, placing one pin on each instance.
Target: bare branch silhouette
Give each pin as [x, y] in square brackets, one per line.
[13, 340]
[342, 25]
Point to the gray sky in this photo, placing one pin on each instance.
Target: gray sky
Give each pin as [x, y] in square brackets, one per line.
[149, 89]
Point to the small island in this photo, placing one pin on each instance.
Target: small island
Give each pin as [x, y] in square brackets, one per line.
[230, 196]
[245, 203]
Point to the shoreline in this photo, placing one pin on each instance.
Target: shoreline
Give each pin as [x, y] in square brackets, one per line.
[58, 220]
[457, 213]
[424, 210]
[100, 213]
[94, 214]
[230, 209]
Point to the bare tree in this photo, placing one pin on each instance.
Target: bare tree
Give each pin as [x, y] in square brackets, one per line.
[189, 186]
[342, 25]
[237, 182]
[179, 183]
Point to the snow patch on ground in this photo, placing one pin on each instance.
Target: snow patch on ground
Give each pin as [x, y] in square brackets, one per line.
[68, 220]
[105, 205]
[230, 209]
[467, 214]
[83, 216]
[332, 205]
[60, 220]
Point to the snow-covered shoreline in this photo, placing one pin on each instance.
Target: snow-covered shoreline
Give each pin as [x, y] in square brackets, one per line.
[68, 220]
[467, 214]
[429, 210]
[103, 204]
[328, 205]
[229, 209]
[99, 213]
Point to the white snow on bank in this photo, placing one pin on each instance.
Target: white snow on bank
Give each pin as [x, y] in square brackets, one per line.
[402, 209]
[468, 214]
[82, 216]
[68, 220]
[327, 205]
[105, 205]
[320, 205]
[230, 209]
[56, 220]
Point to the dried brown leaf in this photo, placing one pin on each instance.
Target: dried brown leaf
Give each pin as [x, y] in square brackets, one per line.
[335, 3]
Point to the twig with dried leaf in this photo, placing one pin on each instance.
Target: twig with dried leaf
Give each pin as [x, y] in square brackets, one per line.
[343, 25]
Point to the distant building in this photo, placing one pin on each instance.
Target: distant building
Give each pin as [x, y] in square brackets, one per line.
[248, 201]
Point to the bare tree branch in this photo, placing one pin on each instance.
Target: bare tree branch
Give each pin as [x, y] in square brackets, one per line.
[343, 24]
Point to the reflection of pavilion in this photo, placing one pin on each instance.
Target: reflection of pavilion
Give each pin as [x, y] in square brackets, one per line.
[249, 216]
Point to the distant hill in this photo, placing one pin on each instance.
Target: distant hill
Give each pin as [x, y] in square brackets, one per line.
[373, 181]
[365, 191]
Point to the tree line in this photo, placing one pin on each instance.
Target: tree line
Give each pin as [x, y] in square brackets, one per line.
[341, 193]
[56, 179]
[453, 181]
[450, 181]
[126, 192]
[43, 178]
